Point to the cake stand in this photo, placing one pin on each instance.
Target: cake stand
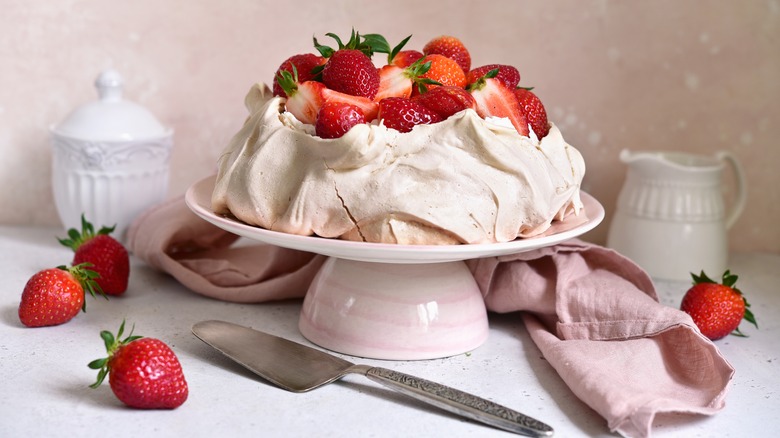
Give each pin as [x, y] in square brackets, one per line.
[389, 301]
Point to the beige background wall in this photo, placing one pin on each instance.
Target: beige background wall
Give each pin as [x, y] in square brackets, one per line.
[696, 76]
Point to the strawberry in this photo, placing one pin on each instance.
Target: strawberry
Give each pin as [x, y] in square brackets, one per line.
[366, 105]
[336, 118]
[495, 99]
[444, 71]
[404, 114]
[143, 372]
[450, 47]
[349, 69]
[395, 81]
[55, 296]
[405, 58]
[507, 74]
[534, 111]
[107, 256]
[303, 99]
[716, 308]
[303, 64]
[446, 100]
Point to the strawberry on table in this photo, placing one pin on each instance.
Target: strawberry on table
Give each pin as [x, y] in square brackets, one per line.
[404, 114]
[717, 308]
[349, 69]
[446, 100]
[303, 64]
[534, 111]
[55, 296]
[450, 47]
[507, 74]
[143, 372]
[494, 99]
[336, 118]
[106, 255]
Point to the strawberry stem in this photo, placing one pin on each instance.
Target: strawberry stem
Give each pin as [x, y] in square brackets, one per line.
[77, 238]
[113, 343]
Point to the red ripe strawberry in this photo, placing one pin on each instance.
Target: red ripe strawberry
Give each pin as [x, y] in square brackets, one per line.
[143, 373]
[444, 71]
[399, 82]
[55, 296]
[717, 309]
[106, 255]
[303, 99]
[404, 114]
[405, 58]
[534, 111]
[303, 63]
[351, 72]
[336, 118]
[349, 69]
[446, 100]
[450, 47]
[366, 105]
[495, 99]
[507, 74]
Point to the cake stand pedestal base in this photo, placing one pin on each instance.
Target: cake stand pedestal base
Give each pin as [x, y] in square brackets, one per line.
[394, 311]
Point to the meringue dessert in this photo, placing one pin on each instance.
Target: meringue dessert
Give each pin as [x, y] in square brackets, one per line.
[467, 179]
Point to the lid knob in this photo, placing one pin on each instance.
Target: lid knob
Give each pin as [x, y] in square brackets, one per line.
[109, 85]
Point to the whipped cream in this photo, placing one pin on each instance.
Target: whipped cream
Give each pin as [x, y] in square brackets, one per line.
[462, 180]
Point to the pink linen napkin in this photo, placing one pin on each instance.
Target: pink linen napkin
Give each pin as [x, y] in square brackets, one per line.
[593, 313]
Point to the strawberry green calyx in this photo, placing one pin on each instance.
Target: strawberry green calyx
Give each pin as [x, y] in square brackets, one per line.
[480, 84]
[380, 45]
[86, 277]
[77, 238]
[288, 81]
[113, 343]
[416, 70]
[368, 45]
[729, 280]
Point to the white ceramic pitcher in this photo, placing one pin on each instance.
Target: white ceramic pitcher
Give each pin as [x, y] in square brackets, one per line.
[671, 217]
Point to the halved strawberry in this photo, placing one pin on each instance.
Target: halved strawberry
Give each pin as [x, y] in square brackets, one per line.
[450, 47]
[404, 114]
[304, 64]
[368, 107]
[495, 99]
[303, 99]
[534, 111]
[446, 100]
[507, 74]
[399, 82]
[336, 118]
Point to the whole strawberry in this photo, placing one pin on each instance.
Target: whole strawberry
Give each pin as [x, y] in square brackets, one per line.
[336, 118]
[534, 111]
[143, 372]
[717, 309]
[403, 114]
[349, 69]
[303, 65]
[55, 296]
[450, 47]
[107, 256]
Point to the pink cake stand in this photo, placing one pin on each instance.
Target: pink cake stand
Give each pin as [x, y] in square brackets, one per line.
[397, 302]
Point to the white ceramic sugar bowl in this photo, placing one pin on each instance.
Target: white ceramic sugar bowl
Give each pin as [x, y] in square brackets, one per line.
[110, 160]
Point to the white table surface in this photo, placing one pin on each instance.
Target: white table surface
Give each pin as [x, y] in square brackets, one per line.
[44, 377]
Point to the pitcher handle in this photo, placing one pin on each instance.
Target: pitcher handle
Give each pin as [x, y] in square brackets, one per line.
[739, 203]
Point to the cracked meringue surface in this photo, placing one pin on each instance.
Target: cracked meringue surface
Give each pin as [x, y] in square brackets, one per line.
[463, 180]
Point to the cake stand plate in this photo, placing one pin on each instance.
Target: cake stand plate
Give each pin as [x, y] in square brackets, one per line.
[389, 301]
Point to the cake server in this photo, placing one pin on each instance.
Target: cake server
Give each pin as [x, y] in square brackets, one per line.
[299, 368]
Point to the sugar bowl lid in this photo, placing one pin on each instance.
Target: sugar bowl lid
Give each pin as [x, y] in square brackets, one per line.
[111, 118]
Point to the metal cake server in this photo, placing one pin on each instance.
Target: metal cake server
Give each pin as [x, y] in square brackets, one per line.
[299, 368]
